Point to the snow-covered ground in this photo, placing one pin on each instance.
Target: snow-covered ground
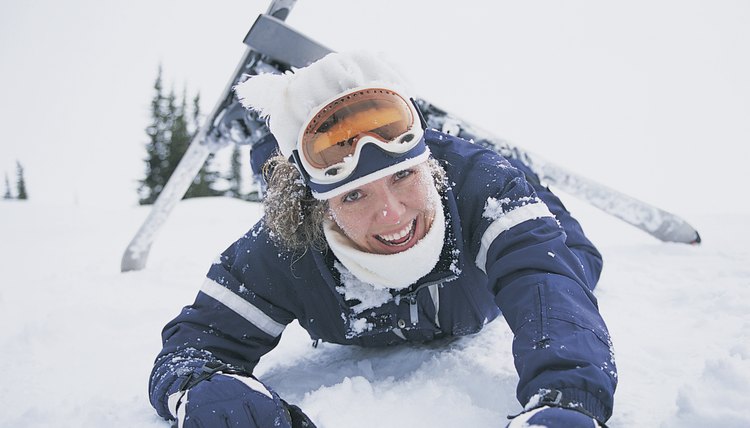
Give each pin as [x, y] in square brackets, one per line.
[648, 97]
[78, 337]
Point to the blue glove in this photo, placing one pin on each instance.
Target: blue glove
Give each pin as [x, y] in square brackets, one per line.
[553, 417]
[229, 400]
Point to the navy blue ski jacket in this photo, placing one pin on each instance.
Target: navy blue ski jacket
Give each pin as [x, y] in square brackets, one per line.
[505, 252]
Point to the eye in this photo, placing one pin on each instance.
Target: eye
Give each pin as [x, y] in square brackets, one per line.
[352, 196]
[402, 174]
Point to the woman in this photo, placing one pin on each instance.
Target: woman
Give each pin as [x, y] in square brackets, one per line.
[379, 232]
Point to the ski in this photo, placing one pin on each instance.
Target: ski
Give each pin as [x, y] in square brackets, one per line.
[273, 38]
[228, 123]
[655, 221]
[275, 47]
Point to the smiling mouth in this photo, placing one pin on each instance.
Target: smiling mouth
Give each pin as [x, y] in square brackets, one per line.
[400, 238]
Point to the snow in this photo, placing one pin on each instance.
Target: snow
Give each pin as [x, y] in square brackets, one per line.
[353, 288]
[648, 97]
[497, 208]
[79, 337]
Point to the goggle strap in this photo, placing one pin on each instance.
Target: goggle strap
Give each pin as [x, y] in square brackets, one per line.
[297, 161]
[422, 120]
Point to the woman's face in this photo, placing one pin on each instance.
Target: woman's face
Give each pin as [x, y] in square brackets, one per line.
[388, 215]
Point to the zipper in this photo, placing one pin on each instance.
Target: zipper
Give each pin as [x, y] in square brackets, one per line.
[413, 309]
[434, 295]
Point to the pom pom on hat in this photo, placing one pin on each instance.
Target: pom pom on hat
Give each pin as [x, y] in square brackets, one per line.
[287, 100]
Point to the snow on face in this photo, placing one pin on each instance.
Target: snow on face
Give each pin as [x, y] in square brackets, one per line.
[388, 215]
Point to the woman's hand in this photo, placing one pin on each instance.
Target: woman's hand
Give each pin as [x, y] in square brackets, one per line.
[228, 400]
[553, 417]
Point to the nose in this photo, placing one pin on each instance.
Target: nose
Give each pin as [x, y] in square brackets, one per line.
[391, 208]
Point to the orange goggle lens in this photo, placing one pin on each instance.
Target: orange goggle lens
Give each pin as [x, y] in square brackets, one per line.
[334, 132]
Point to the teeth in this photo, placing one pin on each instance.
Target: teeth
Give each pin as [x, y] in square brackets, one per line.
[398, 235]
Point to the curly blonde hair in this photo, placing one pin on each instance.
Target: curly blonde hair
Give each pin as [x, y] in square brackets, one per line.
[293, 215]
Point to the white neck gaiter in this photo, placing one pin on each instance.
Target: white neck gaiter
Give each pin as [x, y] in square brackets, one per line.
[395, 271]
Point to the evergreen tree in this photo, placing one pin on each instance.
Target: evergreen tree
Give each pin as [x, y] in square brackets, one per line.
[171, 129]
[197, 117]
[7, 195]
[179, 135]
[20, 183]
[156, 148]
[235, 174]
[205, 181]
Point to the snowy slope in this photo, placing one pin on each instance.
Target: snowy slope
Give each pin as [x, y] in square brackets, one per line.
[78, 337]
[649, 97]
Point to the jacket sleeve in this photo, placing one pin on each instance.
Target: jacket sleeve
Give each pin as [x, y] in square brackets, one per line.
[541, 285]
[575, 238]
[237, 317]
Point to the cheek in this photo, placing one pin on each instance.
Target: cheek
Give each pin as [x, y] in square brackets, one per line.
[423, 195]
[350, 221]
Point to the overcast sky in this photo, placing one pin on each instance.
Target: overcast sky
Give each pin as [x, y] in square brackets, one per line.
[649, 97]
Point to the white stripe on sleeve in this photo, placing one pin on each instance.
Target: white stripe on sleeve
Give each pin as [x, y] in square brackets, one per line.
[505, 222]
[242, 307]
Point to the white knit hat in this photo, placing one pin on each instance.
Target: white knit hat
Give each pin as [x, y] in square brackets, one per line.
[287, 100]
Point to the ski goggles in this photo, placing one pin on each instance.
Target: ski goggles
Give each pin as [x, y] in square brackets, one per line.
[330, 144]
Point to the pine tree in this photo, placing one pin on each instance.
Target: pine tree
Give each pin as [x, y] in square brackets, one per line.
[156, 148]
[197, 117]
[235, 174]
[179, 135]
[171, 130]
[7, 195]
[20, 183]
[205, 181]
